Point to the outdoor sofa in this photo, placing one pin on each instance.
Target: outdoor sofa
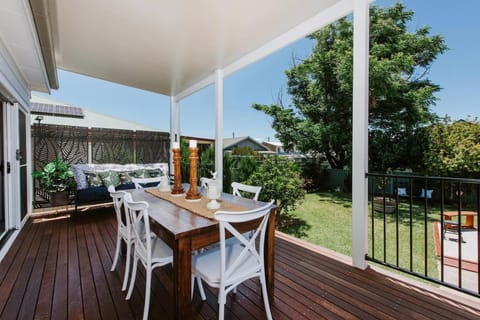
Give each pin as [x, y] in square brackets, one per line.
[93, 180]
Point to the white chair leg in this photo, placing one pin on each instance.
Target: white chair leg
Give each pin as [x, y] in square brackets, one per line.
[200, 288]
[265, 296]
[221, 303]
[132, 280]
[148, 285]
[127, 267]
[117, 253]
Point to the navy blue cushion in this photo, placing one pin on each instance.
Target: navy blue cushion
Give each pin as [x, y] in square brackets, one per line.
[93, 194]
[125, 186]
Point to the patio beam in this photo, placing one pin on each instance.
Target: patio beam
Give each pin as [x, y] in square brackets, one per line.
[318, 21]
[360, 133]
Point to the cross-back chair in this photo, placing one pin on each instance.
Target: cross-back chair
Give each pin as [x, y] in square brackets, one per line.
[149, 250]
[227, 265]
[239, 188]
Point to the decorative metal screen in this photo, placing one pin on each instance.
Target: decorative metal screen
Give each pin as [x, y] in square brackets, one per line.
[79, 144]
[51, 141]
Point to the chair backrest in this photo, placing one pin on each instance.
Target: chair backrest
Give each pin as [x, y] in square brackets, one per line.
[138, 213]
[140, 183]
[247, 240]
[118, 198]
[240, 187]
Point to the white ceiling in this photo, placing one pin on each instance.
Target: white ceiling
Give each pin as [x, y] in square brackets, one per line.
[166, 46]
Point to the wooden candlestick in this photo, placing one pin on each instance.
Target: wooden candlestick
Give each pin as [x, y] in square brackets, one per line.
[177, 177]
[193, 193]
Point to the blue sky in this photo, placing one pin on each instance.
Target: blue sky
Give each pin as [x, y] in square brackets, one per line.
[457, 72]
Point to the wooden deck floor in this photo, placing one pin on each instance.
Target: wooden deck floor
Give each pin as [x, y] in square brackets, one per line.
[60, 268]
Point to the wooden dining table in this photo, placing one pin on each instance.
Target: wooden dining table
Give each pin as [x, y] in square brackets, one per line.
[185, 232]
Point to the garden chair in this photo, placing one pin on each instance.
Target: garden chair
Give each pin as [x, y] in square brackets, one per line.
[124, 231]
[238, 188]
[141, 183]
[150, 250]
[226, 266]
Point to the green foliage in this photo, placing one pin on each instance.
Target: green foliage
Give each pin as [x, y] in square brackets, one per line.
[245, 166]
[280, 181]
[454, 149]
[321, 86]
[207, 161]
[227, 172]
[184, 151]
[56, 176]
[208, 155]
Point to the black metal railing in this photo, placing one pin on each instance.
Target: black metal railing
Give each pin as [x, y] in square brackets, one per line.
[427, 227]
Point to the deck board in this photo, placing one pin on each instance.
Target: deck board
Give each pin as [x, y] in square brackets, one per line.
[60, 268]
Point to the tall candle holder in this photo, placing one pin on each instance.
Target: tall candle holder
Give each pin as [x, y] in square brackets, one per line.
[193, 193]
[177, 177]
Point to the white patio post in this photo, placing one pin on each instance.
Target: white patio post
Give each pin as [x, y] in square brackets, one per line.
[174, 127]
[219, 127]
[360, 133]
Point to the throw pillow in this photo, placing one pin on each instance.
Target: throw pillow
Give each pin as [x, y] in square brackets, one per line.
[402, 192]
[110, 178]
[125, 177]
[153, 173]
[93, 179]
[141, 173]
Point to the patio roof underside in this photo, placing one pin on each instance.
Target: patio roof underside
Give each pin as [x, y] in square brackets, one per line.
[169, 46]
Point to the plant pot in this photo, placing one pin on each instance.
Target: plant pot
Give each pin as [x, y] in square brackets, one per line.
[59, 198]
[390, 204]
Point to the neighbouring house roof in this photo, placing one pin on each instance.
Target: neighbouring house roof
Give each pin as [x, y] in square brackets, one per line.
[273, 146]
[61, 114]
[231, 143]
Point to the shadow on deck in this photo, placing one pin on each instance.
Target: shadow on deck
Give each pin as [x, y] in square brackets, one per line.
[59, 267]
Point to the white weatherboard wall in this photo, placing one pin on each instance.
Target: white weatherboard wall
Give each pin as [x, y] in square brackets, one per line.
[21, 70]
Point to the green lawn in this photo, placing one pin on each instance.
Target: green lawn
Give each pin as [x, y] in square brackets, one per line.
[325, 219]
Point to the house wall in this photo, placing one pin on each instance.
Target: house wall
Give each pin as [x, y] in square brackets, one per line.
[14, 97]
[15, 87]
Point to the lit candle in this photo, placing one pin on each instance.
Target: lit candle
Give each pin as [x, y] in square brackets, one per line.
[193, 144]
[176, 145]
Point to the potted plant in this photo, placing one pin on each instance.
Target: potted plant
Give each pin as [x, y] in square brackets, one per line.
[56, 178]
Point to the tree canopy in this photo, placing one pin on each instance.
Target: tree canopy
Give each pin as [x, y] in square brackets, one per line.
[454, 149]
[321, 86]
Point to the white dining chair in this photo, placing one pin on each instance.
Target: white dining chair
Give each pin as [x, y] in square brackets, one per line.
[150, 250]
[124, 232]
[140, 183]
[238, 188]
[226, 266]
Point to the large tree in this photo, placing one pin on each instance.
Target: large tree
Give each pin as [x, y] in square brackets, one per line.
[454, 149]
[320, 120]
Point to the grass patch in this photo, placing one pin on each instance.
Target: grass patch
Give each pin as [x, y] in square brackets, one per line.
[325, 219]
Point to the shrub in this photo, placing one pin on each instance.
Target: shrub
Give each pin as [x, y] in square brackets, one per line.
[244, 168]
[281, 181]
